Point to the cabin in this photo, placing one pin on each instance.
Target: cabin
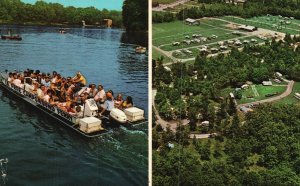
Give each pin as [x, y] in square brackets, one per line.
[267, 83]
[245, 86]
[190, 21]
[108, 23]
[247, 28]
[204, 123]
[245, 110]
[297, 95]
[167, 68]
[278, 74]
[277, 80]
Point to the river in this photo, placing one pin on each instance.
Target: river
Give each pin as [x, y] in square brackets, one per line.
[41, 151]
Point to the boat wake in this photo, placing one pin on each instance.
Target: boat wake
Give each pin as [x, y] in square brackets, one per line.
[3, 168]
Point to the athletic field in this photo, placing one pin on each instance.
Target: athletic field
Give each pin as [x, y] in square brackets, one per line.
[210, 32]
[274, 23]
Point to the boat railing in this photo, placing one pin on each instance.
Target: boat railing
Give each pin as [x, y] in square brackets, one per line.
[41, 102]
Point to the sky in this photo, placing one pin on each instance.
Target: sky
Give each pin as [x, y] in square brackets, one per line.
[99, 4]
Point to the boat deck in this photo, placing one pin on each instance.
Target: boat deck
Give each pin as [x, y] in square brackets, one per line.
[61, 116]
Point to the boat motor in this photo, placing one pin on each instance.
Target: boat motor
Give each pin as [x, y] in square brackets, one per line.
[90, 108]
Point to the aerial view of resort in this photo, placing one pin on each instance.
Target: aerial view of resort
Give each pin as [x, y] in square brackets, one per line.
[74, 92]
[226, 92]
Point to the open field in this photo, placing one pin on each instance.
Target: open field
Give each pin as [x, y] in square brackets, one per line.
[210, 32]
[196, 50]
[268, 22]
[181, 41]
[259, 92]
[290, 99]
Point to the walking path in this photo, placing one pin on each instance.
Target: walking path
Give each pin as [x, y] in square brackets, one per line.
[254, 91]
[287, 92]
[172, 124]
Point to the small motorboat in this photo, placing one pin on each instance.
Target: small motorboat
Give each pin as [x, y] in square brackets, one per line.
[140, 50]
[11, 37]
[62, 30]
[118, 115]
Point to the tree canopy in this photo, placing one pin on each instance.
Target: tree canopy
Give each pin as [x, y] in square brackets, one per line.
[135, 15]
[15, 11]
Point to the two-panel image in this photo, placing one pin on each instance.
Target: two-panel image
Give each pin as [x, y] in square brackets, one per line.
[150, 92]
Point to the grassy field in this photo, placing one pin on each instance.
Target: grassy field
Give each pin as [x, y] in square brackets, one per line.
[291, 99]
[262, 91]
[156, 54]
[196, 51]
[267, 22]
[164, 34]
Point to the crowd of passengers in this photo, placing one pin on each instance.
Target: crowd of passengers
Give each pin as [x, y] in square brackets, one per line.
[68, 93]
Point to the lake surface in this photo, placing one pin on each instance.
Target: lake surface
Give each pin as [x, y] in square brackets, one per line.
[41, 151]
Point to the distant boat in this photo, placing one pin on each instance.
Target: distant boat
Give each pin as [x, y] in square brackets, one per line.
[9, 36]
[140, 50]
[62, 30]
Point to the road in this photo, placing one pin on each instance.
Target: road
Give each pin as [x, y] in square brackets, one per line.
[172, 124]
[287, 92]
[161, 7]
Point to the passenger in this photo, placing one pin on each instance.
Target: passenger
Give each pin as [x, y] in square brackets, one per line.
[100, 96]
[70, 90]
[48, 96]
[58, 80]
[79, 80]
[41, 91]
[52, 102]
[119, 101]
[71, 108]
[78, 113]
[17, 81]
[54, 77]
[92, 91]
[108, 104]
[10, 78]
[29, 87]
[43, 79]
[128, 103]
[47, 81]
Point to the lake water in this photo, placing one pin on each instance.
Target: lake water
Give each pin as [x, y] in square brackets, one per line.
[41, 151]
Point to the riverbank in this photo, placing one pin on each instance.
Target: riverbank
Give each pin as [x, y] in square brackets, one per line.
[2, 22]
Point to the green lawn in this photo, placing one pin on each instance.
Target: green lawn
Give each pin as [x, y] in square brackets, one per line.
[156, 54]
[262, 91]
[196, 51]
[291, 99]
[262, 22]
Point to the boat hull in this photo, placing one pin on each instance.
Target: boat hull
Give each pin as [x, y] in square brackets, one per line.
[16, 38]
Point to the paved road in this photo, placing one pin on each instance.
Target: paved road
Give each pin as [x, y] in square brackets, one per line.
[172, 124]
[287, 92]
[161, 7]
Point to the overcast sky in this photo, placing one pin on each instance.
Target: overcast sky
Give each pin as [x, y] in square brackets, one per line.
[100, 4]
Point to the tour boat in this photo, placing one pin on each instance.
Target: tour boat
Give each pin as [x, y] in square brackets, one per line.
[89, 124]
